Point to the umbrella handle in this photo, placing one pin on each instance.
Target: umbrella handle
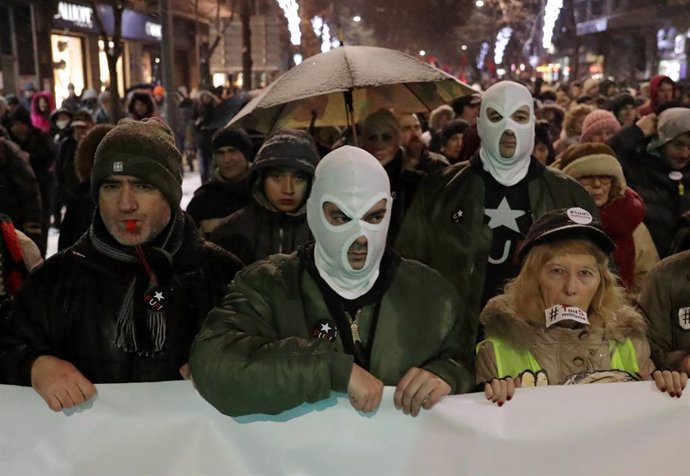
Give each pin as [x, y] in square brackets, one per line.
[350, 114]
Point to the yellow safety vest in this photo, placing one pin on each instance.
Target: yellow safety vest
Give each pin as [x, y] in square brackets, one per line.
[511, 362]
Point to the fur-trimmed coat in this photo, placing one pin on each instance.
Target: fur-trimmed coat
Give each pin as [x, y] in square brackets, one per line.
[561, 352]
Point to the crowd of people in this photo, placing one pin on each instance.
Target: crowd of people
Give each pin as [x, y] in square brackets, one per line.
[527, 235]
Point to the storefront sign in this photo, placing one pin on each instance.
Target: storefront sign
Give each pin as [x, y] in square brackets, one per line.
[135, 25]
[78, 15]
[153, 29]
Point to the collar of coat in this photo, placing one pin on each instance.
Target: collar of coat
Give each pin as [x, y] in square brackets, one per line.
[501, 320]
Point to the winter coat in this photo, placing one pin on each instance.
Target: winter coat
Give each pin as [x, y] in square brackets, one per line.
[653, 103]
[665, 301]
[70, 306]
[20, 198]
[145, 97]
[216, 200]
[65, 171]
[203, 117]
[41, 121]
[445, 226]
[258, 230]
[41, 155]
[561, 352]
[648, 175]
[635, 252]
[78, 216]
[270, 345]
[404, 184]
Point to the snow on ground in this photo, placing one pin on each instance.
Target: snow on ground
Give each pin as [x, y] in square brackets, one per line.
[190, 182]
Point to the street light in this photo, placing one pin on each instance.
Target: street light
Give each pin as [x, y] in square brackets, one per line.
[463, 47]
[356, 19]
[479, 3]
[422, 53]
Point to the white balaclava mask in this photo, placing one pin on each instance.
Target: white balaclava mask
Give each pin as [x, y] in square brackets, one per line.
[354, 181]
[505, 98]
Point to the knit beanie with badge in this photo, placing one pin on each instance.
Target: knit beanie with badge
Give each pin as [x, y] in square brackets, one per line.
[143, 149]
[287, 148]
[597, 121]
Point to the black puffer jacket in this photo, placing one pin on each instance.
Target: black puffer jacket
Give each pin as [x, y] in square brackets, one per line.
[255, 232]
[648, 174]
[216, 200]
[69, 308]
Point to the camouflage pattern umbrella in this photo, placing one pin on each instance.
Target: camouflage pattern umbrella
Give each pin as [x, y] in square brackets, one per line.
[343, 86]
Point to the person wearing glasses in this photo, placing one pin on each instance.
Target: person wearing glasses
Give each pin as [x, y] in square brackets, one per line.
[622, 210]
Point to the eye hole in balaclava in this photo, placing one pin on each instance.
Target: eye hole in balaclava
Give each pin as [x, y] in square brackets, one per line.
[349, 213]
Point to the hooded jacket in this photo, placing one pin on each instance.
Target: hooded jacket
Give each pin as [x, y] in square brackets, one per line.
[146, 98]
[561, 352]
[651, 106]
[81, 293]
[39, 120]
[259, 230]
[665, 301]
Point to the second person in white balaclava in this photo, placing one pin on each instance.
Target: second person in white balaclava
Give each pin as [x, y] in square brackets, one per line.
[344, 313]
[468, 222]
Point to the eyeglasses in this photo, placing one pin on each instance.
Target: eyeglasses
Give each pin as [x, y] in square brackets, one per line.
[591, 179]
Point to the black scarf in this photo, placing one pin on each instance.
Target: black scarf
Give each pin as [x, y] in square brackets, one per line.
[142, 336]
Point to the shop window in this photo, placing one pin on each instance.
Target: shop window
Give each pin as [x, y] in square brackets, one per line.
[68, 64]
[104, 72]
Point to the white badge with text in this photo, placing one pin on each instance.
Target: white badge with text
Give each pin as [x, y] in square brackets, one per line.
[559, 312]
[684, 318]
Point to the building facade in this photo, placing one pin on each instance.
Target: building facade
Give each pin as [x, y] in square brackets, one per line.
[54, 43]
[633, 39]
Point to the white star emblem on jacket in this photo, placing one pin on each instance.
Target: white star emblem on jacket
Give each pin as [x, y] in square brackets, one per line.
[325, 328]
[504, 215]
[158, 295]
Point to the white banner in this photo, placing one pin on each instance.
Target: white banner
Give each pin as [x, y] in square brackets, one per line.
[167, 428]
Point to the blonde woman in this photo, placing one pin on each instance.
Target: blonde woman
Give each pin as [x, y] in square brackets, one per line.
[564, 319]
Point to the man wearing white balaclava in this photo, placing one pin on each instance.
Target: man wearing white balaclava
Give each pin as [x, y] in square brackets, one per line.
[468, 222]
[506, 131]
[344, 313]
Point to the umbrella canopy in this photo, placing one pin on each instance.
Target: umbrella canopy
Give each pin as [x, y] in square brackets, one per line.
[317, 91]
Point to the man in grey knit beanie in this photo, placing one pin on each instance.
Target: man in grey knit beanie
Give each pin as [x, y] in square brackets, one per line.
[123, 303]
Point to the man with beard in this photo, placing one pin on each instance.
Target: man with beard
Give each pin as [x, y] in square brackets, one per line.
[123, 303]
[343, 314]
[468, 221]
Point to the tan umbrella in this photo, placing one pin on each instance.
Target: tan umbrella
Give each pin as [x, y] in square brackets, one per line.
[343, 86]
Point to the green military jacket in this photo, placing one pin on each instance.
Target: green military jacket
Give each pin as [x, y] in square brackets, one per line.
[665, 300]
[259, 352]
[445, 226]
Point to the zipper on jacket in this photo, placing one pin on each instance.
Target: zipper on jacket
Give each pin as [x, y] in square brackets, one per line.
[280, 239]
[354, 325]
